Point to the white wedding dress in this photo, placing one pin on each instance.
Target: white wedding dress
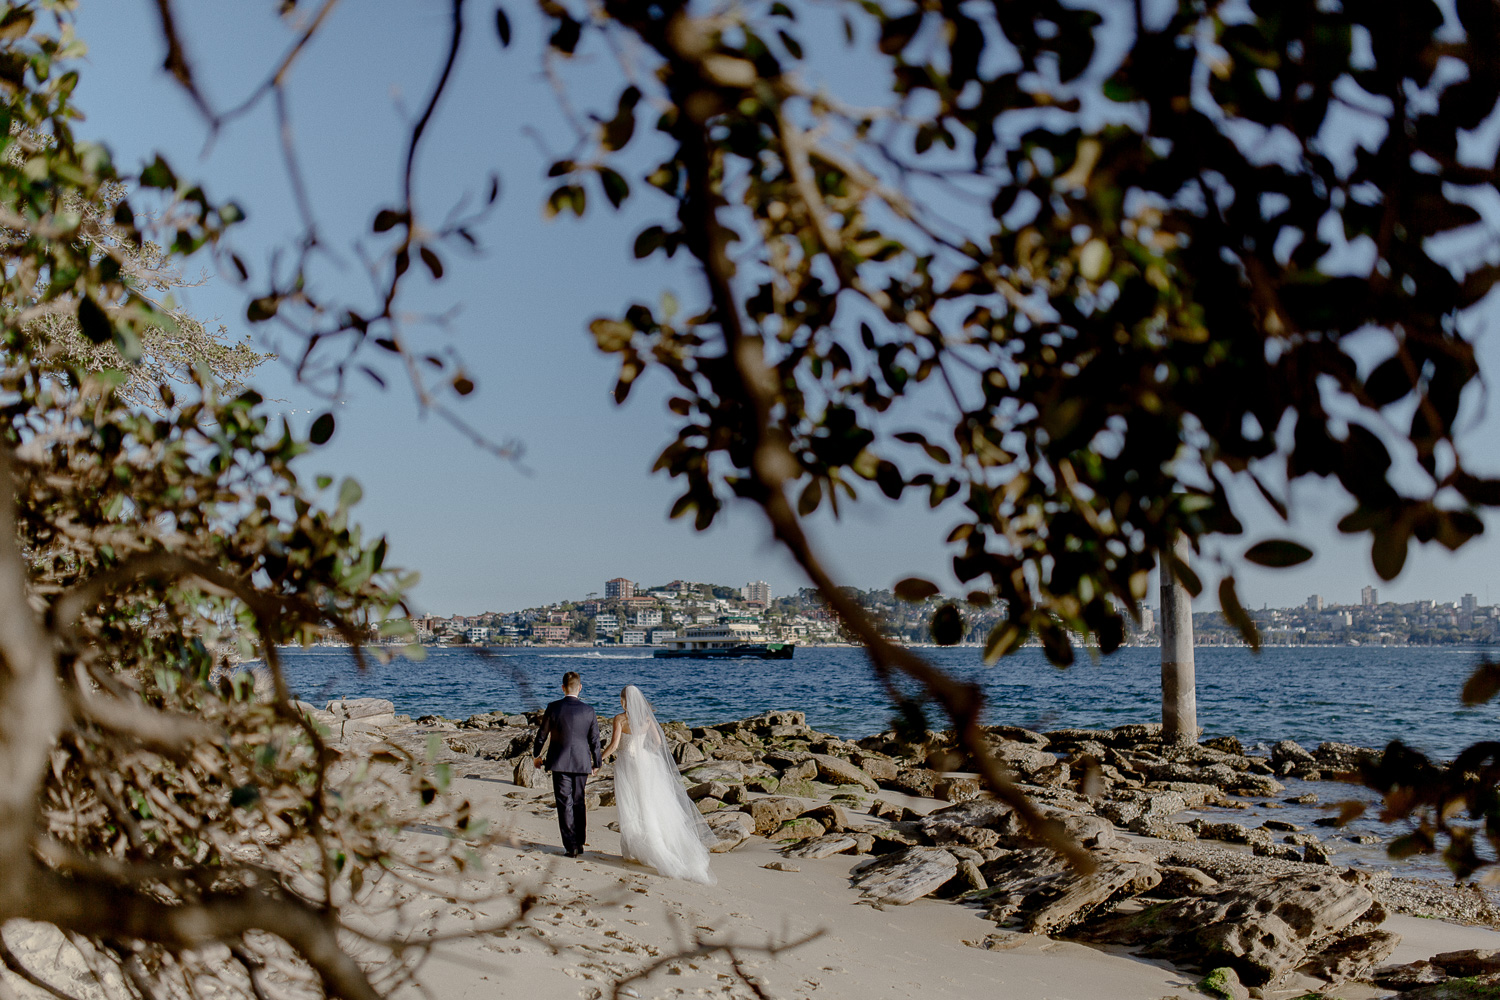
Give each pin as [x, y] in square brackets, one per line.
[659, 825]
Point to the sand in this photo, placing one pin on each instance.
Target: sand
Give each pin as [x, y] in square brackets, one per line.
[608, 918]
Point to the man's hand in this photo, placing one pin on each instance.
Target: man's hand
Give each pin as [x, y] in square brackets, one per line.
[593, 772]
[536, 762]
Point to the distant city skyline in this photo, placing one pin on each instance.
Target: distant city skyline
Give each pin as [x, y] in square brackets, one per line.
[582, 505]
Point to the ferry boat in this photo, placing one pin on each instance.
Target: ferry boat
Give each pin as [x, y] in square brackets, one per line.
[731, 641]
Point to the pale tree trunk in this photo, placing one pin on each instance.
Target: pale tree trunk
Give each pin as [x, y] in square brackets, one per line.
[1179, 700]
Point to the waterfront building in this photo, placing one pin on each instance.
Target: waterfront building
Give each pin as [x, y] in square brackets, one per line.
[606, 623]
[758, 590]
[619, 589]
[551, 632]
[478, 633]
[646, 617]
[659, 635]
[633, 637]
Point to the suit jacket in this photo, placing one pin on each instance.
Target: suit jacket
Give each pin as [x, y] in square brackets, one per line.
[574, 731]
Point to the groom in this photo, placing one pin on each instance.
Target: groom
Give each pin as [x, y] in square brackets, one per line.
[572, 757]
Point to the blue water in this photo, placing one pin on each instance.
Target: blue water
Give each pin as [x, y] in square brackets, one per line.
[1361, 695]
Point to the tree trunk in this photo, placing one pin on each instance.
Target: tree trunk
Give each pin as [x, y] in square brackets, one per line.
[1179, 701]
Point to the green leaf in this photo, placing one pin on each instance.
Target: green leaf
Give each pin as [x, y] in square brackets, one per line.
[1483, 684]
[93, 322]
[1003, 639]
[1278, 553]
[1234, 613]
[947, 626]
[915, 589]
[159, 175]
[651, 239]
[322, 429]
[615, 187]
[386, 219]
[433, 262]
[350, 493]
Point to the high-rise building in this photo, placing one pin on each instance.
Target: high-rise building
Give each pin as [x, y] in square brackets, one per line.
[1315, 602]
[1148, 619]
[760, 591]
[1467, 604]
[1369, 597]
[618, 588]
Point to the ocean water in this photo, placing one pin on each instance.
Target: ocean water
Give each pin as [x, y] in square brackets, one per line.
[1362, 695]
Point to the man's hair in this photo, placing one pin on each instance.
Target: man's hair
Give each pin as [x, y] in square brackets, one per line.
[571, 680]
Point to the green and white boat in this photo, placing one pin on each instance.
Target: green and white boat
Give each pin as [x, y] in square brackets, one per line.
[731, 641]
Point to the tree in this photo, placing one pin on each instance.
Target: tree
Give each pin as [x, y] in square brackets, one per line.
[1158, 302]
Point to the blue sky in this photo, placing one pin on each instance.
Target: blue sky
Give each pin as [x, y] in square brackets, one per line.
[487, 535]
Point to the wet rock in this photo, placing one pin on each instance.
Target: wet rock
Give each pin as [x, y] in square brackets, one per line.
[1281, 852]
[1281, 826]
[1225, 744]
[1288, 757]
[837, 771]
[1343, 757]
[770, 813]
[822, 847]
[1305, 799]
[1224, 984]
[1262, 927]
[906, 875]
[1351, 957]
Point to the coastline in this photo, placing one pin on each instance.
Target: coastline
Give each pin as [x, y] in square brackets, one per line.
[828, 816]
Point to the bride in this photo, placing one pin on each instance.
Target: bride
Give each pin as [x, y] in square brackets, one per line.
[659, 825]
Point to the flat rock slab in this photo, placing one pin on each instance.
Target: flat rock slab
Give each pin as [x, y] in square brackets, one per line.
[360, 708]
[822, 847]
[1261, 927]
[837, 771]
[906, 875]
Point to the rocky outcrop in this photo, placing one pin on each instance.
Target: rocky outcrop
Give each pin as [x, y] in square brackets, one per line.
[1037, 889]
[906, 875]
[1262, 928]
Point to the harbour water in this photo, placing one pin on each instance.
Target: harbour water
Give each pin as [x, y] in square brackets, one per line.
[1367, 696]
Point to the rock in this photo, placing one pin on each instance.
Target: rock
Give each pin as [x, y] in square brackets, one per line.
[1224, 744]
[1247, 783]
[360, 708]
[1469, 962]
[1024, 759]
[727, 771]
[806, 770]
[1305, 799]
[968, 878]
[1317, 854]
[1180, 832]
[1343, 757]
[528, 775]
[864, 843]
[1409, 977]
[977, 823]
[783, 758]
[1281, 852]
[957, 789]
[800, 828]
[725, 753]
[1288, 757]
[770, 813]
[708, 804]
[1223, 983]
[1351, 957]
[731, 828]
[822, 847]
[494, 744]
[896, 836]
[1230, 833]
[837, 771]
[1016, 734]
[1057, 776]
[736, 795]
[780, 866]
[906, 875]
[687, 753]
[1090, 831]
[1179, 880]
[708, 789]
[1262, 927]
[885, 810]
[879, 768]
[1477, 988]
[1050, 897]
[917, 781]
[830, 815]
[1281, 826]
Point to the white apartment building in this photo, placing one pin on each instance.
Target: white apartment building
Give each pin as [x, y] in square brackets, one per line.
[606, 623]
[758, 590]
[633, 637]
[478, 633]
[646, 617]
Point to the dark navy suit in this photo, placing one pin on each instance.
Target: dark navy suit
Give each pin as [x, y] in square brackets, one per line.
[573, 729]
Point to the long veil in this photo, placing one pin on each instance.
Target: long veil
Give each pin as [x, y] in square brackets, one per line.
[678, 829]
